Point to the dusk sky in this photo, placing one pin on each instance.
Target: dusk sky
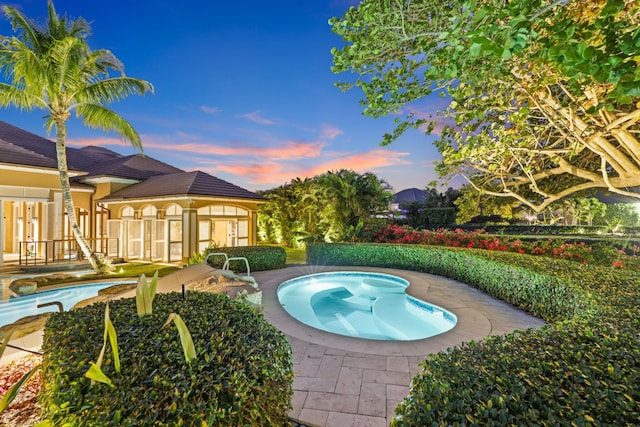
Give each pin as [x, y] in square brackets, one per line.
[243, 91]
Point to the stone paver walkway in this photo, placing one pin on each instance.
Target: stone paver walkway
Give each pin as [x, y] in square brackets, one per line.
[342, 381]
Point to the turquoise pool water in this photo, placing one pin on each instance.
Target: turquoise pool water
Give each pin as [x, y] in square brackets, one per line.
[18, 307]
[363, 305]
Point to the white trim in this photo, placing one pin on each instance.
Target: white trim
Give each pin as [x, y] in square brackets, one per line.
[39, 169]
[107, 179]
[217, 199]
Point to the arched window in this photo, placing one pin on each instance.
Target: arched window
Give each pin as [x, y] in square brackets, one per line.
[127, 212]
[173, 210]
[149, 212]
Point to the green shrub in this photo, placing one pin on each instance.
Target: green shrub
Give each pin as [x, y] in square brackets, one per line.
[261, 258]
[563, 374]
[547, 296]
[242, 374]
[581, 370]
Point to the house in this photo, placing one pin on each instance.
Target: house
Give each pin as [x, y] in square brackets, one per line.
[406, 196]
[132, 207]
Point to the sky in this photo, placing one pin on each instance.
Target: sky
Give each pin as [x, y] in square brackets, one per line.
[243, 91]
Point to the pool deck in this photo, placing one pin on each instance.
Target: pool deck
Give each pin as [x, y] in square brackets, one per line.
[342, 381]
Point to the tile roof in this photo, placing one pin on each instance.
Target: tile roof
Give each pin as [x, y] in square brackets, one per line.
[410, 195]
[159, 179]
[23, 148]
[183, 184]
[135, 166]
[99, 153]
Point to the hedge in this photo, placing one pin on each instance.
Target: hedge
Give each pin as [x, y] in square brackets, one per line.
[583, 368]
[242, 374]
[260, 258]
[540, 294]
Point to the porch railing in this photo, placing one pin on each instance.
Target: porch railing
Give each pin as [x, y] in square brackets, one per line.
[34, 252]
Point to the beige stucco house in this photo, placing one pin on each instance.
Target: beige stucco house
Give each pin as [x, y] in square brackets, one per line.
[131, 207]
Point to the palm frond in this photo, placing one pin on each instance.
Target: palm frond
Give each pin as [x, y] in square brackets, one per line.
[113, 89]
[21, 99]
[99, 117]
[22, 24]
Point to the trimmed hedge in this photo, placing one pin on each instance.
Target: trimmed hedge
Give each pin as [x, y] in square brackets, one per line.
[584, 369]
[242, 374]
[261, 258]
[540, 294]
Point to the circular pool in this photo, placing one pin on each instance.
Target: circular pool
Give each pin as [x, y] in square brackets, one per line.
[363, 305]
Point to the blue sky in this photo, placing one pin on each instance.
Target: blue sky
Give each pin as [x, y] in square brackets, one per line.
[243, 91]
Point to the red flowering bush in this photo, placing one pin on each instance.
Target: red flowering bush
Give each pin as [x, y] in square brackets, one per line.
[480, 239]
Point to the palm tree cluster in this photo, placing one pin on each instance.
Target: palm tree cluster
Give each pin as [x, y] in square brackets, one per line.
[330, 207]
[52, 68]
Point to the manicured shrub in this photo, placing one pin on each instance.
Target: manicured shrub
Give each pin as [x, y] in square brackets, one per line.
[563, 374]
[242, 374]
[260, 258]
[583, 369]
[546, 296]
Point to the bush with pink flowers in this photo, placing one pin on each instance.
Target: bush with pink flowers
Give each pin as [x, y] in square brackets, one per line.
[602, 254]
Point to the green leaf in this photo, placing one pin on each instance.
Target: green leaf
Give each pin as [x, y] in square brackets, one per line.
[141, 295]
[95, 374]
[13, 391]
[185, 336]
[145, 293]
[113, 338]
[612, 7]
[475, 49]
[5, 341]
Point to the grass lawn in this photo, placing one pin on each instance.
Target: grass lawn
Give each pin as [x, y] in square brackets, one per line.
[296, 256]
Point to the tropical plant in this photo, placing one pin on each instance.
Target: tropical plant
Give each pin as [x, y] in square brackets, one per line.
[12, 392]
[620, 214]
[188, 348]
[52, 68]
[589, 208]
[544, 93]
[327, 207]
[356, 198]
[95, 369]
[145, 293]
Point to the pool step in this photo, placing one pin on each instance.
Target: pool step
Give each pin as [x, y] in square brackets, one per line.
[347, 325]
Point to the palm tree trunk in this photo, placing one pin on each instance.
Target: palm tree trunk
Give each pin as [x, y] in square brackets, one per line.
[61, 153]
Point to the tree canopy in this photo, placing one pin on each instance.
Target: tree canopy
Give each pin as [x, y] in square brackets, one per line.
[545, 94]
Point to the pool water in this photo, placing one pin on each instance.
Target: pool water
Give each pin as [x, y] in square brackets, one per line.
[363, 305]
[18, 307]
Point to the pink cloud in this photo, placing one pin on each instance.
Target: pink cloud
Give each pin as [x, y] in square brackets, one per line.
[363, 162]
[291, 150]
[329, 132]
[256, 118]
[275, 173]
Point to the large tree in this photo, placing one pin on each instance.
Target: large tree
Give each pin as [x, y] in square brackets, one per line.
[51, 67]
[545, 93]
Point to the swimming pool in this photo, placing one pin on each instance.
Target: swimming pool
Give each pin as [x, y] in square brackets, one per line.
[363, 305]
[18, 307]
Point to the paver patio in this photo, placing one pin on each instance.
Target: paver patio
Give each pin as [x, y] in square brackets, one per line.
[342, 381]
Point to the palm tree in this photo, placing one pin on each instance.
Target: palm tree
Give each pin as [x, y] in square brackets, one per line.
[356, 198]
[52, 68]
